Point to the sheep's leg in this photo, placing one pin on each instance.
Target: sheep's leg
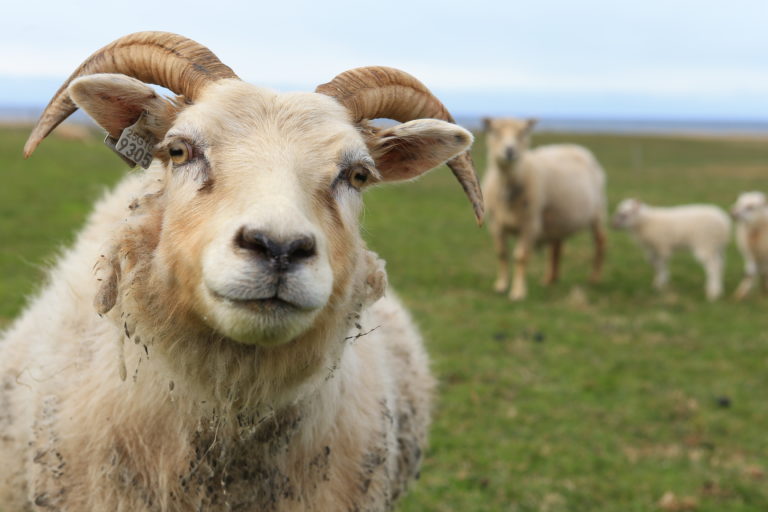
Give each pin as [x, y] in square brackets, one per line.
[502, 260]
[713, 267]
[661, 276]
[598, 235]
[521, 254]
[553, 273]
[748, 281]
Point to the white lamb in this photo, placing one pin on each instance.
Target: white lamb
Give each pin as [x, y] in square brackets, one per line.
[751, 214]
[240, 355]
[660, 231]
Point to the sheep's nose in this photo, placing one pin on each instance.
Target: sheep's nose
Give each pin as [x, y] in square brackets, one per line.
[281, 255]
[510, 153]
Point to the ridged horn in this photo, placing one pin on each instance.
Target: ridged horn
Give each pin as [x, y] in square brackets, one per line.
[381, 92]
[170, 60]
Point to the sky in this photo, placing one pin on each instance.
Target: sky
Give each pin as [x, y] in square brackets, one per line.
[651, 59]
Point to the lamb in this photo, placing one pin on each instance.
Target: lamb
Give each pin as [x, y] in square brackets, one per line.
[235, 349]
[751, 214]
[543, 196]
[703, 229]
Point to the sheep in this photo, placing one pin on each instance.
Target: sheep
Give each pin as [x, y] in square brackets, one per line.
[751, 214]
[219, 336]
[701, 228]
[543, 196]
[76, 132]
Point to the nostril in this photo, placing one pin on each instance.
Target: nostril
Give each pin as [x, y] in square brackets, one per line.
[301, 248]
[280, 255]
[510, 153]
[254, 240]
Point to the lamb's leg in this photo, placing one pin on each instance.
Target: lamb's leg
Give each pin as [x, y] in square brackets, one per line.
[502, 260]
[713, 267]
[553, 273]
[521, 254]
[598, 235]
[661, 276]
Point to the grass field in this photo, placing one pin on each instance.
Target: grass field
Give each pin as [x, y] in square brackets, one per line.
[583, 398]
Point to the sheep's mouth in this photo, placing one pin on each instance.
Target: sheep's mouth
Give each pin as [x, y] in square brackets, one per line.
[267, 295]
[268, 304]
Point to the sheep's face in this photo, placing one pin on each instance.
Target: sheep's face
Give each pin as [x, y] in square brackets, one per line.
[507, 139]
[627, 213]
[262, 193]
[749, 206]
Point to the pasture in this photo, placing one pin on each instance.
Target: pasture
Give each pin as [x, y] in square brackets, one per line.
[584, 397]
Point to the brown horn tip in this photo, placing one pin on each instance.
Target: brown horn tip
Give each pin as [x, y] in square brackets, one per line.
[464, 170]
[170, 60]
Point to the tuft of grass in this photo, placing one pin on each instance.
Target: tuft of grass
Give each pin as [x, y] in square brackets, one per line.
[583, 397]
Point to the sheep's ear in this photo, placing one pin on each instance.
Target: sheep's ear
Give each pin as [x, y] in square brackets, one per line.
[117, 101]
[634, 204]
[530, 124]
[407, 150]
[487, 122]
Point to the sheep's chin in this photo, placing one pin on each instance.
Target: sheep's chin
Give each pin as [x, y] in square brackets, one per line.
[263, 323]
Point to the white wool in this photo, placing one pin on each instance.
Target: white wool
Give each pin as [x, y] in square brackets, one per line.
[751, 214]
[702, 229]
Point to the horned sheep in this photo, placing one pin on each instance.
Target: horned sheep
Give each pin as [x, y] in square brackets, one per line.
[242, 353]
[701, 228]
[751, 214]
[542, 195]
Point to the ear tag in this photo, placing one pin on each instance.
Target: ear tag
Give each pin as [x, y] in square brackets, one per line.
[135, 145]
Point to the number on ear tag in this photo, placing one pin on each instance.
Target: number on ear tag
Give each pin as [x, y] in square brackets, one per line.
[135, 145]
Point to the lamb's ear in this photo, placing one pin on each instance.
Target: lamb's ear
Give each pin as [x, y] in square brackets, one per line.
[407, 150]
[116, 101]
[487, 122]
[530, 124]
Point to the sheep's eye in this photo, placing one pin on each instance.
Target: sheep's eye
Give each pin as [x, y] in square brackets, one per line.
[180, 152]
[358, 177]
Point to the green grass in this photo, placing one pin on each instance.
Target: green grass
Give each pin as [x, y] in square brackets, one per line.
[582, 398]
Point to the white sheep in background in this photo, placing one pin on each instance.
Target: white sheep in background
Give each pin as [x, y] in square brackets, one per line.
[751, 214]
[701, 228]
[242, 357]
[543, 196]
[77, 132]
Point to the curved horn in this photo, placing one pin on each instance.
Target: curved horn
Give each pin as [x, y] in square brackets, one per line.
[382, 92]
[161, 58]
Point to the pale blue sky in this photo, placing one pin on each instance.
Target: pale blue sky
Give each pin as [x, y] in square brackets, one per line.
[603, 58]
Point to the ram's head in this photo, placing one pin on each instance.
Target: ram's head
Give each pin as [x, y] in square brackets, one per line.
[256, 232]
